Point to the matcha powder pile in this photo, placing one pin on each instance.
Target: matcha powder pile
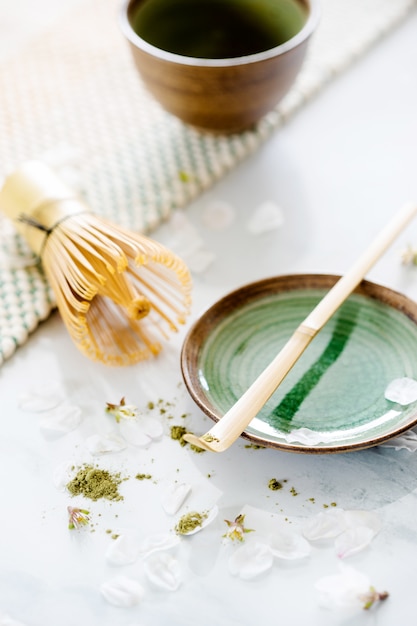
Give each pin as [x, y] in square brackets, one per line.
[95, 483]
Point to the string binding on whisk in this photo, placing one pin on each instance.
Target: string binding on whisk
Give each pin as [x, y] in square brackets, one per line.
[120, 293]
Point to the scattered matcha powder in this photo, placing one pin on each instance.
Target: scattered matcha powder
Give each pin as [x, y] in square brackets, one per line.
[189, 522]
[177, 433]
[274, 484]
[95, 483]
[143, 476]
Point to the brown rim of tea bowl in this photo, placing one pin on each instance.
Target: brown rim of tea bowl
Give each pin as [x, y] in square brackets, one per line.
[227, 95]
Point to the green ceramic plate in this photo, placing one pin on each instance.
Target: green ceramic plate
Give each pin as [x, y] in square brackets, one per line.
[333, 400]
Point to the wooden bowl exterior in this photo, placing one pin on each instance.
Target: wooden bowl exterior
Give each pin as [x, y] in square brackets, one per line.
[227, 96]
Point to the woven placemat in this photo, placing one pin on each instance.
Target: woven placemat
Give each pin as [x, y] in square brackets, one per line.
[74, 100]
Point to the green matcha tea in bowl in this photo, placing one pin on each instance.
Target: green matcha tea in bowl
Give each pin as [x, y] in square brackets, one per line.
[219, 65]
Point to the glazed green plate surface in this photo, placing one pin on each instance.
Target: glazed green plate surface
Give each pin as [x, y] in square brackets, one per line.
[333, 400]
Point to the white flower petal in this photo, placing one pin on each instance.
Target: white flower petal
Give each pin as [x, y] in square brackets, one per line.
[268, 216]
[175, 497]
[218, 215]
[122, 591]
[163, 570]
[152, 427]
[353, 540]
[98, 444]
[402, 391]
[305, 436]
[61, 420]
[132, 431]
[358, 517]
[122, 551]
[200, 259]
[407, 441]
[250, 560]
[42, 398]
[289, 545]
[342, 590]
[325, 525]
[155, 543]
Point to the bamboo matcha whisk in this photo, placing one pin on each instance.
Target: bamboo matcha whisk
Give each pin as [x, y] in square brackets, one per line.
[119, 293]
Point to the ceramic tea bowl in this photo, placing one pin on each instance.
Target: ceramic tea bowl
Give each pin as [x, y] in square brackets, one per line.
[224, 90]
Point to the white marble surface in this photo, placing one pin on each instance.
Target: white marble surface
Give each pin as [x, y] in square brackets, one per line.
[339, 170]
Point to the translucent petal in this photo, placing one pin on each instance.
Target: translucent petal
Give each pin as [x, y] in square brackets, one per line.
[61, 420]
[250, 560]
[42, 398]
[325, 525]
[218, 215]
[357, 518]
[353, 540]
[267, 216]
[342, 590]
[133, 432]
[163, 570]
[200, 260]
[175, 497]
[305, 436]
[407, 441]
[289, 545]
[152, 426]
[402, 391]
[122, 591]
[104, 444]
[155, 543]
[122, 551]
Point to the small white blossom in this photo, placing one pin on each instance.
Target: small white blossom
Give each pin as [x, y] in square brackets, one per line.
[349, 589]
[77, 517]
[236, 530]
[122, 410]
[137, 429]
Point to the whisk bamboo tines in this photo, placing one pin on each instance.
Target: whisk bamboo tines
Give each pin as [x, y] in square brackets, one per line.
[119, 293]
